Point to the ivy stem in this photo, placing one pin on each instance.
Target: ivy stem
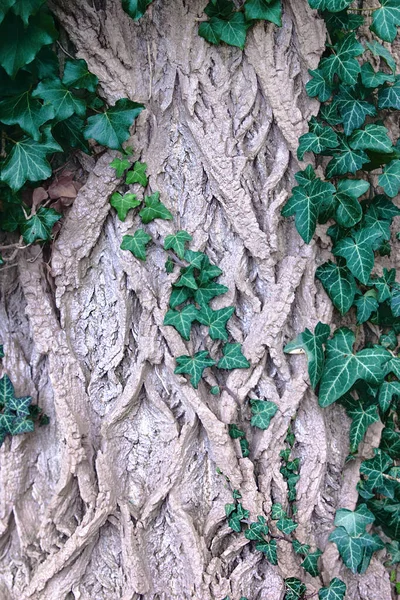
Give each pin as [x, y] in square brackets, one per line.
[65, 51]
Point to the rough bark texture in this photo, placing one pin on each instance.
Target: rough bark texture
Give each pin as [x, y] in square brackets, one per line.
[119, 498]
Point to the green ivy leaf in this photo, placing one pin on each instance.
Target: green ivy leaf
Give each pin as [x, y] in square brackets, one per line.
[215, 390]
[262, 412]
[373, 137]
[335, 591]
[216, 320]
[207, 291]
[366, 305]
[26, 112]
[339, 284]
[20, 44]
[317, 140]
[286, 525]
[358, 251]
[294, 589]
[387, 391]
[389, 97]
[310, 563]
[137, 175]
[179, 295]
[194, 366]
[385, 20]
[389, 340]
[352, 549]
[352, 109]
[319, 86]
[235, 433]
[387, 515]
[390, 178]
[136, 243]
[383, 284]
[22, 425]
[343, 62]
[177, 242]
[63, 101]
[354, 522]
[373, 79]
[182, 320]
[187, 279]
[394, 550]
[120, 165]
[302, 549]
[277, 511]
[169, 265]
[27, 161]
[270, 550]
[237, 516]
[395, 300]
[123, 204]
[26, 8]
[77, 75]
[312, 345]
[257, 531]
[378, 49]
[305, 204]
[135, 8]
[264, 9]
[154, 209]
[378, 481]
[233, 357]
[343, 368]
[69, 133]
[330, 5]
[345, 160]
[111, 127]
[343, 20]
[362, 417]
[4, 7]
[38, 226]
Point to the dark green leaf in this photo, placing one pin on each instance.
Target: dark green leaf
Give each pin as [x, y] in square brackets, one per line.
[362, 417]
[216, 321]
[358, 251]
[179, 295]
[262, 412]
[26, 112]
[352, 109]
[177, 242]
[208, 291]
[319, 86]
[294, 589]
[154, 209]
[111, 128]
[373, 79]
[77, 75]
[312, 345]
[120, 165]
[257, 531]
[385, 20]
[383, 284]
[270, 549]
[343, 62]
[60, 98]
[233, 357]
[339, 284]
[374, 470]
[135, 8]
[182, 320]
[366, 305]
[136, 243]
[372, 137]
[302, 549]
[390, 178]
[317, 140]
[194, 366]
[335, 591]
[310, 563]
[38, 226]
[345, 160]
[137, 175]
[123, 204]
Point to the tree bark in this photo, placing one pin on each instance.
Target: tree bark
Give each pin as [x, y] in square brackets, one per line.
[119, 497]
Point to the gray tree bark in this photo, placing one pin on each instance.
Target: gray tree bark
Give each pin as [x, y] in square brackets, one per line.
[119, 497]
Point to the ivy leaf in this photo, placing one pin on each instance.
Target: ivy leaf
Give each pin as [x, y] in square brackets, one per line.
[137, 175]
[233, 31]
[182, 320]
[389, 340]
[69, 132]
[302, 549]
[362, 418]
[305, 204]
[394, 550]
[330, 5]
[374, 469]
[373, 79]
[312, 345]
[26, 112]
[136, 243]
[238, 515]
[209, 30]
[262, 412]
[352, 549]
[286, 525]
[208, 272]
[387, 390]
[38, 226]
[64, 103]
[154, 209]
[395, 300]
[345, 160]
[264, 9]
[390, 178]
[234, 432]
[335, 591]
[179, 295]
[22, 425]
[258, 530]
[343, 63]
[123, 204]
[383, 284]
[244, 446]
[135, 8]
[27, 161]
[216, 321]
[389, 97]
[270, 549]
[318, 86]
[120, 165]
[20, 44]
[352, 109]
[339, 284]
[387, 515]
[233, 357]
[343, 368]
[187, 279]
[317, 140]
[4, 7]
[207, 291]
[366, 305]
[358, 251]
[378, 49]
[77, 75]
[354, 522]
[373, 137]
[385, 20]
[310, 563]
[294, 589]
[343, 20]
[194, 366]
[111, 127]
[26, 8]
[177, 242]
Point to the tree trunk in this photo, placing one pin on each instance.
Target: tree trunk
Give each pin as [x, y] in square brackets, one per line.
[119, 497]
